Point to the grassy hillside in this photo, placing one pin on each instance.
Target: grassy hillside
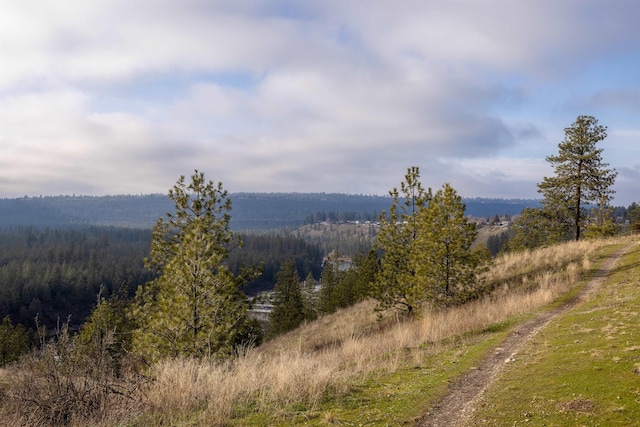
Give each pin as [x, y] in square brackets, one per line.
[584, 369]
[351, 369]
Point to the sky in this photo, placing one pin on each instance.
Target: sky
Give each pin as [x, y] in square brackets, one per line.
[124, 97]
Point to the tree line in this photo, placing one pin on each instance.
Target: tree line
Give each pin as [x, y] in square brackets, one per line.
[251, 211]
[423, 249]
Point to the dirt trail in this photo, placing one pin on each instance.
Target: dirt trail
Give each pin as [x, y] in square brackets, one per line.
[457, 407]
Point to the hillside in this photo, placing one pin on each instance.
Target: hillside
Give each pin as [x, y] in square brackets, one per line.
[583, 368]
[349, 368]
[487, 392]
[251, 211]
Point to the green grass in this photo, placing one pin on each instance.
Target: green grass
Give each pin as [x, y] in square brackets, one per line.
[583, 369]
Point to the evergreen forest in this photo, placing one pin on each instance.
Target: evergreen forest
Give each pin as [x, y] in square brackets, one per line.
[57, 274]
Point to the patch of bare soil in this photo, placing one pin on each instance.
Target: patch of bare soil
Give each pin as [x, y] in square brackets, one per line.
[456, 408]
[581, 406]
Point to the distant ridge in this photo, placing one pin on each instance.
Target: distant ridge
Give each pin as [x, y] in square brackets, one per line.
[251, 211]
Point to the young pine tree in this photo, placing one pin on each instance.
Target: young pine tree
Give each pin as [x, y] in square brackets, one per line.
[444, 263]
[395, 284]
[195, 308]
[289, 308]
[536, 228]
[357, 281]
[14, 342]
[601, 222]
[331, 295]
[309, 294]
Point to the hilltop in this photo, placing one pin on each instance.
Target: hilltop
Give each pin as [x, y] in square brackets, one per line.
[250, 211]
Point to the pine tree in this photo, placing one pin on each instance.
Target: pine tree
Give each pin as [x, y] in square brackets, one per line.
[14, 342]
[108, 327]
[600, 222]
[195, 307]
[365, 267]
[444, 264]
[536, 228]
[289, 309]
[633, 213]
[581, 177]
[309, 294]
[395, 283]
[331, 298]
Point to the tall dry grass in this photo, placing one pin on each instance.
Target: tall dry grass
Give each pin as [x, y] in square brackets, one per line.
[331, 354]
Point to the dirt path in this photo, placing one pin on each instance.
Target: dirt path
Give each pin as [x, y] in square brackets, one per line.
[457, 407]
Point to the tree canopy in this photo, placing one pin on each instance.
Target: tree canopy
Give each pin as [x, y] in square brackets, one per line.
[427, 256]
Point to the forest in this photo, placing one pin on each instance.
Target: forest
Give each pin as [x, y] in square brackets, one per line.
[57, 253]
[57, 274]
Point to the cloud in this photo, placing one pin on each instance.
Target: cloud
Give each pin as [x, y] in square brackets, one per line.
[109, 97]
[50, 140]
[626, 186]
[616, 99]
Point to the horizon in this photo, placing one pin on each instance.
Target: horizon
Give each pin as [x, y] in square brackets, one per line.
[253, 192]
[281, 96]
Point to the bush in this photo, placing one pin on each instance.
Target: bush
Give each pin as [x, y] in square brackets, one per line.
[67, 383]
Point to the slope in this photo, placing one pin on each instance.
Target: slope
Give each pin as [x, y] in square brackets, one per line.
[458, 407]
[583, 368]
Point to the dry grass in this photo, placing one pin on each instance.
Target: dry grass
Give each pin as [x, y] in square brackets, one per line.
[4, 375]
[327, 357]
[516, 269]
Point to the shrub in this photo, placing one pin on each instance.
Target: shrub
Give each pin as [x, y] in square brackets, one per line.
[66, 383]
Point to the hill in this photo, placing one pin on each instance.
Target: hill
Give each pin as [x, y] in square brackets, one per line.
[251, 211]
[349, 368]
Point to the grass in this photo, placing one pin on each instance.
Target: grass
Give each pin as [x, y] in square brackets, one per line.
[386, 397]
[583, 369]
[350, 369]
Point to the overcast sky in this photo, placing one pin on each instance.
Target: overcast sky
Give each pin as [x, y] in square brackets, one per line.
[123, 97]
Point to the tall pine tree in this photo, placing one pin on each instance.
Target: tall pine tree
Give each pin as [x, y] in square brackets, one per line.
[581, 177]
